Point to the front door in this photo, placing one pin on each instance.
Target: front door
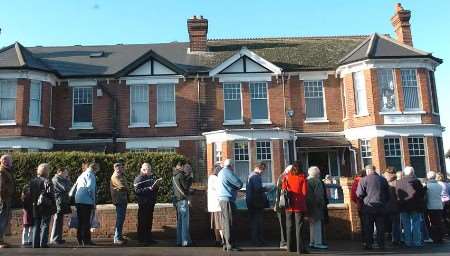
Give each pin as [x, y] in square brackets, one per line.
[319, 159]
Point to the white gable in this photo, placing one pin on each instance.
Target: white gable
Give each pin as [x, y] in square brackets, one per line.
[237, 67]
[252, 66]
[146, 69]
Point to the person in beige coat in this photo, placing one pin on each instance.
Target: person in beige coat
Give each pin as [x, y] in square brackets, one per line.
[119, 196]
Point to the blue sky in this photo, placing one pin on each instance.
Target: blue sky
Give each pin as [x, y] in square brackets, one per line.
[88, 22]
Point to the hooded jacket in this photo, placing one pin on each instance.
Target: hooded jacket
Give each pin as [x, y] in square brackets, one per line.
[410, 194]
[7, 186]
[181, 184]
[62, 187]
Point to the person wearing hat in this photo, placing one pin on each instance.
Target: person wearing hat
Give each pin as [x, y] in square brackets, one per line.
[119, 196]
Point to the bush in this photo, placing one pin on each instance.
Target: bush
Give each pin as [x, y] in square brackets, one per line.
[25, 165]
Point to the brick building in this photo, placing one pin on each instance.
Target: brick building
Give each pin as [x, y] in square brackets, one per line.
[337, 102]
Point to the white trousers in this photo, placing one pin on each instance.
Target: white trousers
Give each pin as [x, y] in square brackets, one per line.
[315, 232]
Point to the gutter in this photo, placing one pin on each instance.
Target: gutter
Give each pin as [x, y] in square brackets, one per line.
[114, 119]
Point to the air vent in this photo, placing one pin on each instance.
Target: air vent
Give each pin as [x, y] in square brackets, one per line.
[96, 54]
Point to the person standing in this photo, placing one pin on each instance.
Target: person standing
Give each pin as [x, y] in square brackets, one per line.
[44, 205]
[146, 189]
[296, 187]
[435, 208]
[361, 174]
[27, 217]
[256, 202]
[85, 200]
[316, 206]
[411, 203]
[445, 198]
[213, 205]
[229, 184]
[7, 190]
[373, 190]
[182, 181]
[392, 214]
[280, 209]
[119, 196]
[61, 184]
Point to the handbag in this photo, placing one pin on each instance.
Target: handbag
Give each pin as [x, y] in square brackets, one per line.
[95, 223]
[72, 193]
[285, 199]
[73, 220]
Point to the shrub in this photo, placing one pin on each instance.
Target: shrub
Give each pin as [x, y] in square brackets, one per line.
[25, 165]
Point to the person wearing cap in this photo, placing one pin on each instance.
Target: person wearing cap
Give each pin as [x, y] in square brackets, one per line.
[229, 184]
[119, 196]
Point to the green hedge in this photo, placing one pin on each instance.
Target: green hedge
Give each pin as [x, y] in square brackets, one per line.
[25, 165]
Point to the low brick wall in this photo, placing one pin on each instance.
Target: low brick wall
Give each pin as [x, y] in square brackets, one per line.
[164, 222]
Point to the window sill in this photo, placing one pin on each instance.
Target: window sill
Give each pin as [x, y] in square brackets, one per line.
[316, 121]
[414, 112]
[261, 122]
[35, 125]
[12, 123]
[361, 115]
[139, 126]
[238, 122]
[163, 125]
[81, 128]
[391, 113]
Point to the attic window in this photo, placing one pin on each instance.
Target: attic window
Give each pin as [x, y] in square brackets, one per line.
[97, 54]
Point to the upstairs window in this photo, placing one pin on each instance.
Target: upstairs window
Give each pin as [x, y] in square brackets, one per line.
[8, 101]
[258, 92]
[139, 105]
[82, 107]
[360, 93]
[366, 152]
[433, 92]
[416, 149]
[166, 103]
[393, 153]
[410, 89]
[314, 103]
[264, 155]
[232, 102]
[241, 160]
[387, 90]
[34, 115]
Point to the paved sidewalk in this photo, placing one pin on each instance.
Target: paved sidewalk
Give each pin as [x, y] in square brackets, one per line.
[104, 248]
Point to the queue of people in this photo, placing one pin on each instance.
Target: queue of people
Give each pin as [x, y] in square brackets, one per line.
[399, 204]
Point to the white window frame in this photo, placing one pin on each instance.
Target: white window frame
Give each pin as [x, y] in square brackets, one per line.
[13, 121]
[248, 155]
[432, 94]
[168, 123]
[382, 109]
[357, 88]
[415, 151]
[419, 107]
[39, 111]
[261, 159]
[400, 141]
[324, 105]
[260, 121]
[236, 121]
[138, 124]
[366, 150]
[82, 125]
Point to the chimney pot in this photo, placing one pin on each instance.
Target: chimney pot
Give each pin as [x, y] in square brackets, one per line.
[402, 27]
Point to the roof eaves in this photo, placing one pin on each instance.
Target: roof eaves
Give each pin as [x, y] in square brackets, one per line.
[405, 46]
[18, 47]
[372, 45]
[342, 61]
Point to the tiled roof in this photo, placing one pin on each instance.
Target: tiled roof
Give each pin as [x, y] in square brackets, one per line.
[290, 54]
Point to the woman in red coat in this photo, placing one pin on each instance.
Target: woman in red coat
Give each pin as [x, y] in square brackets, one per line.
[296, 186]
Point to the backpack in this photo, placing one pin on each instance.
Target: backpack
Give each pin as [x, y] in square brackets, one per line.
[46, 203]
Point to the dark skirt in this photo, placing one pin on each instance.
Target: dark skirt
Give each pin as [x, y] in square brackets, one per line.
[216, 220]
[27, 218]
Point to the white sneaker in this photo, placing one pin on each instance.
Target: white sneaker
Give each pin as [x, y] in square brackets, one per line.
[320, 246]
[428, 241]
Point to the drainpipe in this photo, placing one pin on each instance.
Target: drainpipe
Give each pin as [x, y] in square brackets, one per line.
[115, 113]
[354, 157]
[199, 122]
[284, 100]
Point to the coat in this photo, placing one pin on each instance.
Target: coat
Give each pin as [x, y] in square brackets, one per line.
[229, 184]
[86, 188]
[62, 187]
[433, 196]
[42, 187]
[353, 195]
[213, 199]
[392, 204]
[255, 193]
[278, 187]
[145, 193]
[315, 200]
[7, 187]
[181, 185]
[297, 188]
[119, 189]
[373, 190]
[410, 194]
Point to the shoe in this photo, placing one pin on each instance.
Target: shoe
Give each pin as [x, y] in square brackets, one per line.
[4, 245]
[58, 242]
[320, 246]
[119, 242]
[232, 249]
[284, 247]
[428, 241]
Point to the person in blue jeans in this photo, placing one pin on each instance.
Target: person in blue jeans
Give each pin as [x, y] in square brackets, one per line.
[181, 182]
[411, 204]
[119, 196]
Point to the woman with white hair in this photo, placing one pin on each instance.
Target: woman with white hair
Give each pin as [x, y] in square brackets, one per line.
[280, 209]
[434, 208]
[316, 208]
[44, 206]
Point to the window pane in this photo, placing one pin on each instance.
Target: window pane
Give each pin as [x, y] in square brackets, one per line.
[7, 100]
[395, 162]
[232, 101]
[264, 155]
[34, 115]
[360, 93]
[433, 92]
[313, 94]
[258, 92]
[387, 90]
[410, 89]
[166, 103]
[139, 104]
[440, 150]
[366, 152]
[393, 153]
[82, 104]
[241, 160]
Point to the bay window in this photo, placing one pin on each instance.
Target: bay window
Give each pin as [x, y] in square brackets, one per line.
[410, 89]
[360, 93]
[232, 102]
[387, 90]
[139, 105]
[166, 104]
[34, 114]
[8, 101]
[258, 92]
[314, 99]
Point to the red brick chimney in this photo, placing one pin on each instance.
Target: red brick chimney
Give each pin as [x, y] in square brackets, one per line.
[198, 30]
[402, 28]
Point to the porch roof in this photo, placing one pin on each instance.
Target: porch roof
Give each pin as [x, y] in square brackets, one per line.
[322, 142]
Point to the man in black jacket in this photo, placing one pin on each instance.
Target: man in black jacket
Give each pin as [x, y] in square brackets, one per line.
[62, 185]
[182, 181]
[146, 189]
[373, 190]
